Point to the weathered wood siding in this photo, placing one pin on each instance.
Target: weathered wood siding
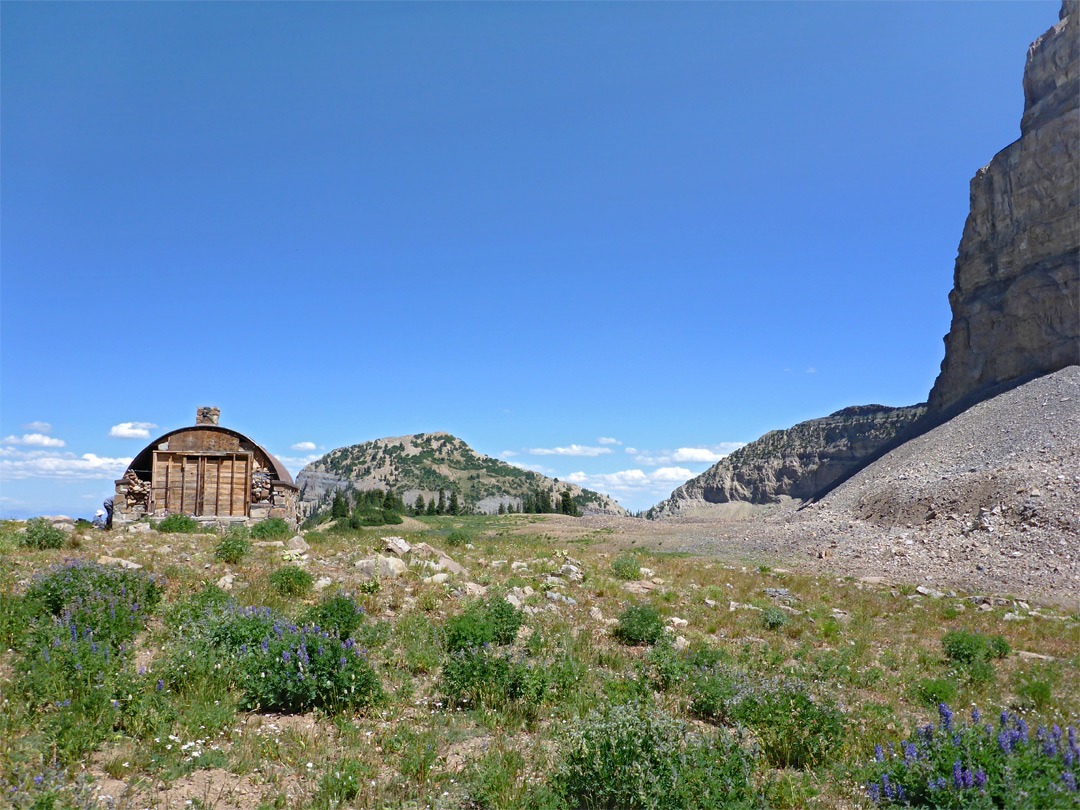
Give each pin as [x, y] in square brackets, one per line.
[209, 483]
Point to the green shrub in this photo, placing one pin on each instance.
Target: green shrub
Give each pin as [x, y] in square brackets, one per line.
[489, 621]
[456, 539]
[963, 648]
[291, 580]
[666, 666]
[635, 756]
[341, 785]
[41, 534]
[793, 729]
[298, 669]
[773, 618]
[339, 615]
[625, 566]
[981, 765]
[1034, 693]
[233, 547]
[113, 602]
[271, 529]
[932, 691]
[639, 624]
[206, 602]
[485, 677]
[178, 524]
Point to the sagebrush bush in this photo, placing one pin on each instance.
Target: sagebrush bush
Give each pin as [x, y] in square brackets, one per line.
[271, 529]
[233, 547]
[625, 566]
[794, 729]
[636, 756]
[639, 624]
[773, 618]
[338, 615]
[484, 621]
[178, 524]
[458, 538]
[41, 534]
[965, 648]
[291, 580]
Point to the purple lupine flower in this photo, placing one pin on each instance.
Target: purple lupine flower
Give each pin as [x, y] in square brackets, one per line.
[160, 684]
[266, 645]
[1022, 727]
[957, 775]
[1056, 731]
[873, 790]
[936, 784]
[887, 788]
[1068, 757]
[1069, 780]
[1004, 717]
[956, 740]
[901, 796]
[1049, 747]
[975, 716]
[286, 656]
[980, 778]
[969, 778]
[1072, 736]
[928, 732]
[879, 753]
[946, 716]
[911, 752]
[989, 729]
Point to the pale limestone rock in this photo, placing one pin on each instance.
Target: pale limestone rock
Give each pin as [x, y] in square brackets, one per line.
[397, 545]
[390, 567]
[298, 543]
[322, 583]
[226, 582]
[131, 566]
[437, 579]
[448, 564]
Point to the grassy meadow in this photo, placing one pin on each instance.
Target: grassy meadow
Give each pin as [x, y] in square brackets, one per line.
[562, 670]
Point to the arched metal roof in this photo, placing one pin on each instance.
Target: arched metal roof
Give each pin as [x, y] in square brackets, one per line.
[143, 460]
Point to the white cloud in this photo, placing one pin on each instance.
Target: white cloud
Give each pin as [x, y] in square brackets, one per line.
[38, 427]
[540, 468]
[309, 446]
[34, 440]
[508, 454]
[15, 465]
[296, 463]
[131, 430]
[631, 450]
[608, 440]
[811, 370]
[671, 474]
[572, 450]
[703, 454]
[657, 482]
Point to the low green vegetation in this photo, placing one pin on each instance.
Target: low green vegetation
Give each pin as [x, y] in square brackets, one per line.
[626, 566]
[537, 693]
[178, 524]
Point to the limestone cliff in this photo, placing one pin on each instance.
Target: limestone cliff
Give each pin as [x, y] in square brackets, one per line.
[1016, 284]
[798, 462]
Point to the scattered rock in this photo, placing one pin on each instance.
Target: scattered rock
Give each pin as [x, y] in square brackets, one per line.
[572, 573]
[437, 579]
[675, 621]
[368, 569]
[389, 567]
[226, 582]
[474, 589]
[448, 564]
[681, 644]
[132, 566]
[298, 543]
[595, 614]
[397, 545]
[639, 588]
[268, 544]
[424, 550]
[512, 600]
[322, 583]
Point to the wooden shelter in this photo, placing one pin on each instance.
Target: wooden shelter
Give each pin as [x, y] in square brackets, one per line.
[211, 473]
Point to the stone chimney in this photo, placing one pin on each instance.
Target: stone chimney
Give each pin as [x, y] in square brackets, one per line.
[207, 416]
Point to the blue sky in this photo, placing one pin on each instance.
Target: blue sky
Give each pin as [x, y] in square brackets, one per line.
[630, 236]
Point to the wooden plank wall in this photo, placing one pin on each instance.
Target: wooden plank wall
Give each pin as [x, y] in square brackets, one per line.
[202, 485]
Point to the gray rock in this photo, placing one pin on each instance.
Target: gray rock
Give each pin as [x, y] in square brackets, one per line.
[269, 544]
[572, 572]
[437, 579]
[595, 614]
[226, 582]
[297, 543]
[449, 565]
[131, 566]
[390, 567]
[322, 583]
[368, 569]
[639, 588]
[397, 545]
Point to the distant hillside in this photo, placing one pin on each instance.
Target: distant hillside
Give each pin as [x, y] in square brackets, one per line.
[426, 462]
[798, 462]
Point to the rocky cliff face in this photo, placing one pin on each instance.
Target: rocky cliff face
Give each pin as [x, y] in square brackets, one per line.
[798, 462]
[424, 463]
[1016, 286]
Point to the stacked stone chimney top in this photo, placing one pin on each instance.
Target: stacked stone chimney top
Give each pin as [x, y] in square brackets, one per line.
[207, 416]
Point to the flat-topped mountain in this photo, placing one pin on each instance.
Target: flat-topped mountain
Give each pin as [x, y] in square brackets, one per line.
[427, 462]
[797, 463]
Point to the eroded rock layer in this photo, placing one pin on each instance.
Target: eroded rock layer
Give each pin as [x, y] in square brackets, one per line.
[797, 463]
[1016, 287]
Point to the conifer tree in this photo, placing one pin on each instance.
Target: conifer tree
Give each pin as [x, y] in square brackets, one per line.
[567, 505]
[502, 508]
[441, 508]
[455, 506]
[340, 507]
[431, 508]
[419, 506]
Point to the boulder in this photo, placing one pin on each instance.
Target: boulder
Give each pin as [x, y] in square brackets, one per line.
[322, 583]
[366, 568]
[226, 582]
[448, 564]
[572, 573]
[639, 588]
[132, 566]
[437, 579]
[397, 545]
[390, 567]
[298, 543]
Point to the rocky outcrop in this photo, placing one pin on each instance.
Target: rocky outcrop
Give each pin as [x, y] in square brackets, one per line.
[422, 464]
[1016, 285]
[798, 462]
